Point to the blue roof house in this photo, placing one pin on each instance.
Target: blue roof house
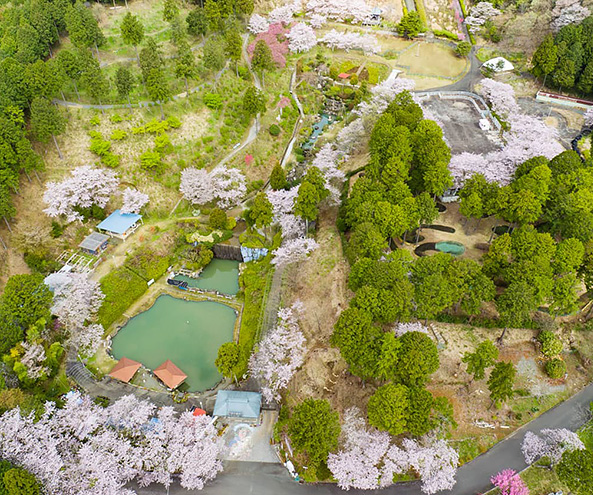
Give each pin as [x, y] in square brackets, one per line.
[120, 225]
[237, 404]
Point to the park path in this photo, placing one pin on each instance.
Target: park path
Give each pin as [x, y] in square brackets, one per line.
[297, 124]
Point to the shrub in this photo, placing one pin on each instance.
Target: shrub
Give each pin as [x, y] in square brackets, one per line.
[110, 160]
[118, 135]
[217, 219]
[551, 344]
[56, 229]
[162, 144]
[446, 34]
[116, 118]
[41, 264]
[463, 48]
[244, 73]
[148, 264]
[333, 72]
[95, 120]
[100, 146]
[18, 481]
[274, 130]
[121, 288]
[354, 80]
[173, 122]
[151, 161]
[555, 368]
[213, 100]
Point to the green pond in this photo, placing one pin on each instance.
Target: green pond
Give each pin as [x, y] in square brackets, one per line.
[455, 248]
[188, 333]
[219, 275]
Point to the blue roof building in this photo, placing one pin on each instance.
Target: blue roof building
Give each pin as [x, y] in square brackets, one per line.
[237, 404]
[120, 225]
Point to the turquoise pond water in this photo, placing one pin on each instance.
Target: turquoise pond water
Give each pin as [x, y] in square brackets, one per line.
[188, 333]
[219, 275]
[455, 248]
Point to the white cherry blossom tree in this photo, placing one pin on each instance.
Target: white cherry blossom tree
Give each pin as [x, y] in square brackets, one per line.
[86, 186]
[294, 250]
[357, 10]
[258, 24]
[134, 200]
[225, 185]
[280, 353]
[346, 40]
[301, 38]
[317, 20]
[551, 443]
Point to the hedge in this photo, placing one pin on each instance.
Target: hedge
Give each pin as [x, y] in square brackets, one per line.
[446, 34]
[421, 12]
[121, 288]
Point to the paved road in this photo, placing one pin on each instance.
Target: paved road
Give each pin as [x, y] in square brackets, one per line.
[473, 478]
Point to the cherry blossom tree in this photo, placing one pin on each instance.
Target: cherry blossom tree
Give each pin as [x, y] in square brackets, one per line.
[479, 14]
[464, 165]
[567, 12]
[357, 10]
[33, 360]
[134, 200]
[258, 24]
[225, 185]
[344, 40]
[509, 483]
[283, 14]
[275, 38]
[327, 160]
[282, 211]
[383, 95]
[551, 444]
[294, 250]
[317, 20]
[402, 328]
[436, 464]
[589, 118]
[84, 449]
[355, 465]
[279, 354]
[86, 186]
[501, 96]
[77, 298]
[301, 38]
[350, 136]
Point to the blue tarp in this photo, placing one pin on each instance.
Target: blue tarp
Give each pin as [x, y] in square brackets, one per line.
[237, 404]
[253, 254]
[119, 222]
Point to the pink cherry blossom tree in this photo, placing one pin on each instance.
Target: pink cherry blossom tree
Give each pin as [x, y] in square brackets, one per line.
[317, 20]
[225, 185]
[509, 483]
[501, 96]
[280, 353]
[301, 38]
[357, 10]
[294, 250]
[356, 464]
[258, 24]
[275, 38]
[551, 444]
[84, 449]
[346, 40]
[86, 186]
[134, 200]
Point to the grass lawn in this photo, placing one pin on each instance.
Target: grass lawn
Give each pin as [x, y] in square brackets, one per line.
[432, 59]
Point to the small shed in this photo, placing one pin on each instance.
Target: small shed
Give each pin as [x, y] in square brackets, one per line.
[170, 374]
[120, 225]
[94, 243]
[344, 75]
[125, 369]
[499, 64]
[238, 404]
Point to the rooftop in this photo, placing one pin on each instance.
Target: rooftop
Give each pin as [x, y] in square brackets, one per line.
[237, 404]
[119, 222]
[170, 374]
[125, 369]
[93, 241]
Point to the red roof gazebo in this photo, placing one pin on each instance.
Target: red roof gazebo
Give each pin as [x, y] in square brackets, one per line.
[125, 369]
[170, 374]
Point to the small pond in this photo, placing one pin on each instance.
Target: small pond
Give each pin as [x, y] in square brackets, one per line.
[455, 248]
[317, 130]
[188, 333]
[220, 275]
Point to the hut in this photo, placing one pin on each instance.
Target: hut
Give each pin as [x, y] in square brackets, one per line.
[237, 404]
[120, 225]
[94, 243]
[124, 370]
[170, 374]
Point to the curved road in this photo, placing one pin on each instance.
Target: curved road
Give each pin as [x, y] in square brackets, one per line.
[242, 478]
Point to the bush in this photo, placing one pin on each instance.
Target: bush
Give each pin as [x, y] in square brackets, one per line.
[118, 135]
[116, 118]
[244, 73]
[274, 130]
[41, 264]
[110, 160]
[18, 481]
[333, 72]
[151, 161]
[217, 219]
[463, 49]
[162, 144]
[446, 34]
[555, 368]
[173, 122]
[56, 229]
[99, 146]
[213, 100]
[551, 344]
[148, 264]
[121, 288]
[95, 120]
